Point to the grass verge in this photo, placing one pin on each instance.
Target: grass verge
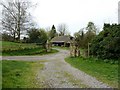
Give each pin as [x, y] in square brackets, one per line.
[0, 74]
[34, 51]
[20, 74]
[16, 49]
[105, 72]
[6, 45]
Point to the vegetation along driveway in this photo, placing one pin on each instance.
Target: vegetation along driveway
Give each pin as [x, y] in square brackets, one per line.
[59, 74]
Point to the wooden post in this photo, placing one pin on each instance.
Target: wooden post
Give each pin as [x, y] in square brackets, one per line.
[78, 51]
[71, 49]
[74, 51]
[88, 49]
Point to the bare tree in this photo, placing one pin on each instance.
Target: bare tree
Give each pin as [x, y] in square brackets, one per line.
[62, 29]
[15, 17]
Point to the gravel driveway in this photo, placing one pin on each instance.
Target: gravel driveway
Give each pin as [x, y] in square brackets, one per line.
[59, 74]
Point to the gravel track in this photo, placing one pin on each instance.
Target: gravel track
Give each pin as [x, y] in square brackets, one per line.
[59, 74]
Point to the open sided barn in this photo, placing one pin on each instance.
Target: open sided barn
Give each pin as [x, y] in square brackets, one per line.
[61, 41]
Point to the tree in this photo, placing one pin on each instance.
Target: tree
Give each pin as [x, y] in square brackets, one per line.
[6, 37]
[43, 37]
[52, 32]
[106, 44]
[38, 36]
[15, 17]
[79, 38]
[91, 28]
[53, 27]
[90, 34]
[33, 35]
[62, 29]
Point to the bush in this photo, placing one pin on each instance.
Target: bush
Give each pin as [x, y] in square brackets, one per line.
[106, 45]
[106, 60]
[6, 37]
[37, 36]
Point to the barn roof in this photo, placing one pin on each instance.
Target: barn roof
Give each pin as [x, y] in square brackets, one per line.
[66, 39]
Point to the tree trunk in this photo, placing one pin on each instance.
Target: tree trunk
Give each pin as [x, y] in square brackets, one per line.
[44, 46]
[19, 21]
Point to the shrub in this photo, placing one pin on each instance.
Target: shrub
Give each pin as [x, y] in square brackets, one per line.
[106, 45]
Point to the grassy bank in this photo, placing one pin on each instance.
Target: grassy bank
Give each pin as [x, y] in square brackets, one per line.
[0, 74]
[16, 46]
[105, 72]
[11, 49]
[33, 51]
[20, 74]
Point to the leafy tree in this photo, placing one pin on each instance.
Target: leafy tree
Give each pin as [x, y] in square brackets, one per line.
[33, 35]
[53, 27]
[7, 37]
[106, 45]
[90, 34]
[43, 37]
[38, 36]
[52, 32]
[91, 28]
[79, 38]
[84, 38]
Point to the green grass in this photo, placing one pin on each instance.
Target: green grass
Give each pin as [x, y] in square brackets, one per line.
[0, 74]
[34, 51]
[20, 74]
[16, 46]
[12, 49]
[105, 72]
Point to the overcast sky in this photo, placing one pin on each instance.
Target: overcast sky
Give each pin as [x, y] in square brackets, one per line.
[75, 13]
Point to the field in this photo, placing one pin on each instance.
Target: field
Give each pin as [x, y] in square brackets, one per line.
[11, 49]
[105, 72]
[20, 74]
